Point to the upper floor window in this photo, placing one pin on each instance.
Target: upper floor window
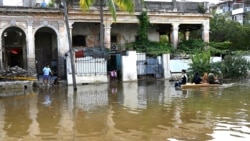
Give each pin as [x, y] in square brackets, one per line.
[12, 2]
[79, 40]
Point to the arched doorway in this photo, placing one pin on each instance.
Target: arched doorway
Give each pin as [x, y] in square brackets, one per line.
[14, 48]
[46, 51]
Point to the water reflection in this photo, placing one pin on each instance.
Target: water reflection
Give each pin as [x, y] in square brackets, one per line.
[143, 110]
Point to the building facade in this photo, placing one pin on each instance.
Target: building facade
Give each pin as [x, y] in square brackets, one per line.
[237, 10]
[33, 33]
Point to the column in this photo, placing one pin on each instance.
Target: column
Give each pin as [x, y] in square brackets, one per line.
[1, 50]
[205, 32]
[187, 34]
[174, 39]
[70, 29]
[31, 62]
[63, 47]
[166, 66]
[107, 34]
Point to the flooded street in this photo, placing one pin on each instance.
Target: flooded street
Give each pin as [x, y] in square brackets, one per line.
[132, 111]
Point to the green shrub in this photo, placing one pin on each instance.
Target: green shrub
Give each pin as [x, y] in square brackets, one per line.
[191, 46]
[150, 48]
[200, 63]
[234, 67]
[201, 8]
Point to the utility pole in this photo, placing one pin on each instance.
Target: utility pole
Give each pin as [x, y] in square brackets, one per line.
[65, 11]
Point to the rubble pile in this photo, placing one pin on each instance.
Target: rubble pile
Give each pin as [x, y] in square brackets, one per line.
[17, 73]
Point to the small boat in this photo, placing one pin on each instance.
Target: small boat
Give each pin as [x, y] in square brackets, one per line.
[192, 86]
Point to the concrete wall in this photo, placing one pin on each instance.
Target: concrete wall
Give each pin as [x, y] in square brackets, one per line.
[87, 78]
[129, 70]
[125, 32]
[171, 69]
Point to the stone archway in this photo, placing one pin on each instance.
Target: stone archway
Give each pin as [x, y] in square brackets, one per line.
[14, 48]
[46, 49]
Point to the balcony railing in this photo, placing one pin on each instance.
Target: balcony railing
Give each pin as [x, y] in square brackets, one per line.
[152, 6]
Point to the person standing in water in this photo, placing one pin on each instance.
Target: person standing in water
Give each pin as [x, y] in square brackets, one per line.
[46, 74]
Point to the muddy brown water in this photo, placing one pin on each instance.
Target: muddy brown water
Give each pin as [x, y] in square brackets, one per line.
[132, 111]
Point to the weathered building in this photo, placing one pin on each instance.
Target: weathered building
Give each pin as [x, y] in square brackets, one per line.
[33, 33]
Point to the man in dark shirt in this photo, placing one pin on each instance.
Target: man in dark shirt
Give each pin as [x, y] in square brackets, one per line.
[197, 79]
[183, 79]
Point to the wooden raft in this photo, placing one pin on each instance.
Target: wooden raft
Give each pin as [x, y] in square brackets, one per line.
[189, 85]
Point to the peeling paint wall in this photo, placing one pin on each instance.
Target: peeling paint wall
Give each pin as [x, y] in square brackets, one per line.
[125, 33]
[89, 30]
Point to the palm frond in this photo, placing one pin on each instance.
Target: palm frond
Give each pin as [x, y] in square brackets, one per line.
[112, 8]
[125, 5]
[86, 4]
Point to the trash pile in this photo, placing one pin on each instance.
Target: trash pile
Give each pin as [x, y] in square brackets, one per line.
[16, 73]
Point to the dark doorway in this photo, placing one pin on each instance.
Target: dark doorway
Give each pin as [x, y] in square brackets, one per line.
[15, 57]
[114, 63]
[14, 51]
[46, 49]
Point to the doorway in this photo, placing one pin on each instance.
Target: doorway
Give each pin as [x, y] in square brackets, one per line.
[46, 52]
[114, 63]
[14, 48]
[14, 57]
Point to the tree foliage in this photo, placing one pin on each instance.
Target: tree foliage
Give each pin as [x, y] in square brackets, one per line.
[144, 25]
[190, 46]
[200, 62]
[232, 33]
[226, 36]
[201, 8]
[124, 5]
[233, 67]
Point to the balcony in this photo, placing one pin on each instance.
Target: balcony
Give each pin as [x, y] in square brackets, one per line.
[151, 6]
[238, 11]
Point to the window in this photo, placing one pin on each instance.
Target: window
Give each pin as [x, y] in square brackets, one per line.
[113, 39]
[137, 38]
[78, 40]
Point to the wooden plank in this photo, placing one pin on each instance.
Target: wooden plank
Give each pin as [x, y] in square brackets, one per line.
[14, 78]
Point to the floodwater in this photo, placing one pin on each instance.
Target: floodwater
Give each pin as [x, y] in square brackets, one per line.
[131, 111]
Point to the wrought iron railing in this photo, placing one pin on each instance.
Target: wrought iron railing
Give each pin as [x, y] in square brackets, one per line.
[91, 66]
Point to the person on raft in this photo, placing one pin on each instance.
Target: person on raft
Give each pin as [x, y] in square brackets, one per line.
[183, 80]
[197, 79]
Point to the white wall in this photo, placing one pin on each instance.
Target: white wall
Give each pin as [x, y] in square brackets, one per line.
[81, 78]
[129, 69]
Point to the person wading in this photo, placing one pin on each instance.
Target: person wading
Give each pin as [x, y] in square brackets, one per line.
[46, 74]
